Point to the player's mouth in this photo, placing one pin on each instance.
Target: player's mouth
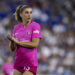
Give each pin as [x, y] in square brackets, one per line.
[28, 18]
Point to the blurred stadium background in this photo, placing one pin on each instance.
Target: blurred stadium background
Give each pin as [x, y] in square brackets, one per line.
[56, 52]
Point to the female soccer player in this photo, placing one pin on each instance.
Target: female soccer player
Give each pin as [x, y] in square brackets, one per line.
[25, 40]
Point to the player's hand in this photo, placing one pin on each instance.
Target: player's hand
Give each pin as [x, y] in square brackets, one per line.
[9, 37]
[14, 40]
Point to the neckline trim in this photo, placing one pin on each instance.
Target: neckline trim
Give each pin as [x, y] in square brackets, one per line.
[27, 25]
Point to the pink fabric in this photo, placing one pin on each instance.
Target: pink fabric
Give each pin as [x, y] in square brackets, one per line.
[26, 56]
[7, 69]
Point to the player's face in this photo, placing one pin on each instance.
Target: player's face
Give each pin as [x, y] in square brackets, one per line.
[27, 14]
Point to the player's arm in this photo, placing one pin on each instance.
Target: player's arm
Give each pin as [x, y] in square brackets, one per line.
[33, 44]
[12, 46]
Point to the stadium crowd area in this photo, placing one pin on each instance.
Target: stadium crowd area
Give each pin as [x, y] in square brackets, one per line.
[56, 52]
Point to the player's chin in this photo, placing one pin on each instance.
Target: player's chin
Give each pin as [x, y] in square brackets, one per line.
[28, 19]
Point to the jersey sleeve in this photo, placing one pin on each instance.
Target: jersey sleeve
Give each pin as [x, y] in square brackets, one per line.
[14, 30]
[36, 32]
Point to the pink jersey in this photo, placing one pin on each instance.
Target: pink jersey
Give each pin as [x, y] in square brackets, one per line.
[26, 56]
[7, 69]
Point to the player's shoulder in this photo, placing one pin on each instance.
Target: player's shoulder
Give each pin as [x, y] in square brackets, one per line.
[17, 25]
[35, 24]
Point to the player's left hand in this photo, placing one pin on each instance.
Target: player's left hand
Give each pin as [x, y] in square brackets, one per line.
[16, 41]
[9, 37]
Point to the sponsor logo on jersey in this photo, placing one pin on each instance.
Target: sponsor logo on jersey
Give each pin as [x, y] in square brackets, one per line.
[36, 31]
[16, 33]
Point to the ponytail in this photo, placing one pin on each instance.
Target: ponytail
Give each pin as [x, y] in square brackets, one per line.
[17, 14]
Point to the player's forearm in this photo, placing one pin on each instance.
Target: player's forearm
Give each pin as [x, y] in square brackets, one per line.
[12, 46]
[33, 44]
[28, 44]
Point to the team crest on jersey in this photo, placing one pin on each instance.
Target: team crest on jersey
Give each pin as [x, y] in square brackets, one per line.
[28, 33]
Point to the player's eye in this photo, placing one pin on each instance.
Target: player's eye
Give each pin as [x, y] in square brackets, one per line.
[31, 12]
[26, 12]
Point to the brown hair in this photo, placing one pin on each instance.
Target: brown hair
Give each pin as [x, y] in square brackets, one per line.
[19, 10]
